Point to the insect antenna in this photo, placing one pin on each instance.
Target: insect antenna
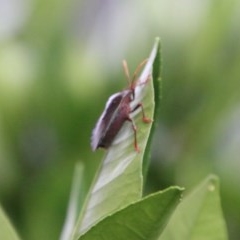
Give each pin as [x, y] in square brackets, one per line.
[138, 70]
[126, 71]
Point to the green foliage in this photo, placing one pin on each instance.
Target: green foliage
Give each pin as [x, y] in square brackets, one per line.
[75, 202]
[144, 219]
[119, 180]
[59, 61]
[7, 232]
[115, 209]
[199, 215]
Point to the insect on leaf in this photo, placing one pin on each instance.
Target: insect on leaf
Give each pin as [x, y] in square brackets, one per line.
[118, 182]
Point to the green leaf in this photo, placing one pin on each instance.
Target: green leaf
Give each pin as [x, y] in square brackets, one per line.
[119, 180]
[157, 83]
[74, 203]
[141, 220]
[199, 216]
[7, 232]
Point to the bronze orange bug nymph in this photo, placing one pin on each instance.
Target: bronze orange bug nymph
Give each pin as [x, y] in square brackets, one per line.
[117, 111]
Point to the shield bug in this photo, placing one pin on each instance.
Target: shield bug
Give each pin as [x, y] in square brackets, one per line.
[117, 111]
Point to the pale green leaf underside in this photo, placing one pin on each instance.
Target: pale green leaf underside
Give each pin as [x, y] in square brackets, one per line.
[7, 232]
[142, 220]
[119, 180]
[198, 216]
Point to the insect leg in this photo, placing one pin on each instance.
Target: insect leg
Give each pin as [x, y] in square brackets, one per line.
[144, 118]
[135, 134]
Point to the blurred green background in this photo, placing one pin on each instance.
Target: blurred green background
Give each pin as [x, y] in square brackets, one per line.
[60, 61]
